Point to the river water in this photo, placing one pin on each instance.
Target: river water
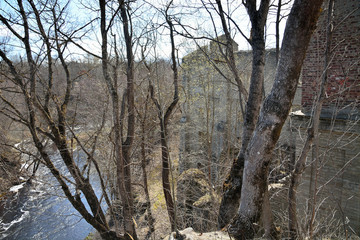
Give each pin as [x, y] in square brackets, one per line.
[40, 211]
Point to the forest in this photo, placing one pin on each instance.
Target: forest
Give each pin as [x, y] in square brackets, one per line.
[140, 119]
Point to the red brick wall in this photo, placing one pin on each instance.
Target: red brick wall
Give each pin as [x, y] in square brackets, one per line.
[343, 88]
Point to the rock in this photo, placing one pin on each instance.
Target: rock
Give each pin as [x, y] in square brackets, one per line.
[197, 202]
[9, 171]
[190, 234]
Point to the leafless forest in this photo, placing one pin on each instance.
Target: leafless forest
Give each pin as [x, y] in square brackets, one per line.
[150, 117]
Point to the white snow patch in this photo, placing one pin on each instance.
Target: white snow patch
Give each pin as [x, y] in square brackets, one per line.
[275, 186]
[16, 188]
[297, 113]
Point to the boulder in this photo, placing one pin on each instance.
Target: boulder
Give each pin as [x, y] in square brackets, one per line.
[190, 234]
[197, 202]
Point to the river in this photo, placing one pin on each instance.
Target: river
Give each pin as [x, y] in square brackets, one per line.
[40, 211]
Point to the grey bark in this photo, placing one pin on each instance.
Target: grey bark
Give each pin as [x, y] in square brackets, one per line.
[128, 205]
[299, 28]
[232, 185]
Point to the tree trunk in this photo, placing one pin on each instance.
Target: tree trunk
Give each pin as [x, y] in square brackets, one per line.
[277, 30]
[163, 121]
[128, 203]
[301, 23]
[122, 150]
[165, 177]
[232, 185]
[150, 218]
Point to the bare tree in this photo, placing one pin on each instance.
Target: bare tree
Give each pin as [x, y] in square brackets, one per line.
[164, 117]
[144, 124]
[279, 17]
[232, 186]
[45, 111]
[123, 144]
[300, 26]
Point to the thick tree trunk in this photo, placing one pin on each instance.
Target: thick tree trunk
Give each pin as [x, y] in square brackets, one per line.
[232, 185]
[122, 150]
[301, 23]
[128, 203]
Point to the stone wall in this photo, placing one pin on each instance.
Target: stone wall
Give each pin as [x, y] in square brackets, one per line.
[336, 174]
[211, 120]
[333, 166]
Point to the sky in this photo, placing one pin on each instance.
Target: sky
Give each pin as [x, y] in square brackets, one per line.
[190, 13]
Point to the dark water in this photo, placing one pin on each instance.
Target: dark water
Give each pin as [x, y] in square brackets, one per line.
[40, 211]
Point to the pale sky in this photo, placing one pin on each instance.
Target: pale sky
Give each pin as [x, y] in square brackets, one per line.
[189, 12]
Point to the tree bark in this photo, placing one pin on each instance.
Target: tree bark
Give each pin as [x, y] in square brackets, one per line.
[300, 26]
[128, 202]
[163, 122]
[232, 185]
[122, 150]
[165, 177]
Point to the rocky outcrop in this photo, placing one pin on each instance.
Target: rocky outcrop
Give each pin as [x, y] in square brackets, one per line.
[197, 202]
[190, 234]
[9, 172]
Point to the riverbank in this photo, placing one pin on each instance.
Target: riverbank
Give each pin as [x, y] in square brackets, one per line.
[10, 172]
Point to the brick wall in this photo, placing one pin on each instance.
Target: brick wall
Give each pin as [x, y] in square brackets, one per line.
[336, 175]
[343, 89]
